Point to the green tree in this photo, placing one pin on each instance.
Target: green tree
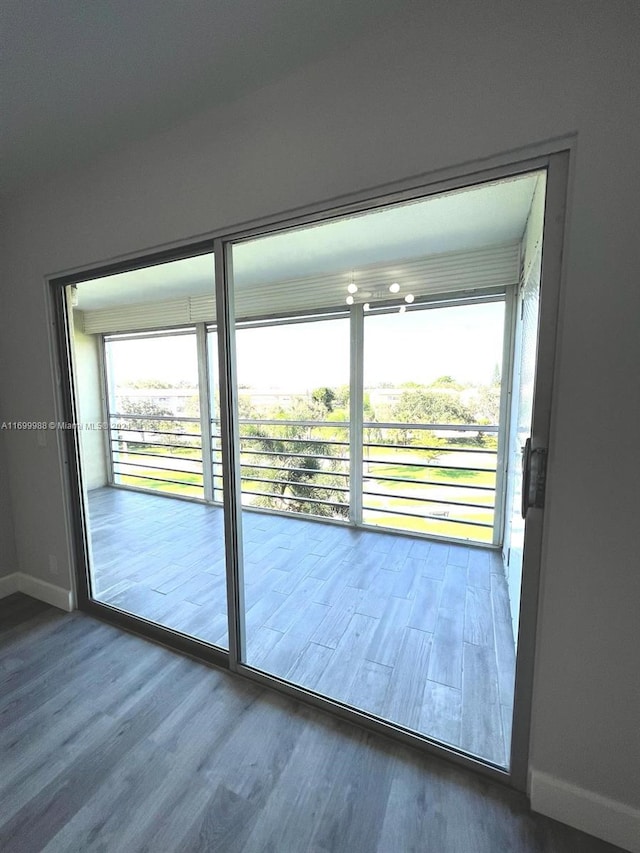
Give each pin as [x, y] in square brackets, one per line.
[487, 404]
[324, 397]
[446, 381]
[148, 415]
[486, 407]
[293, 465]
[149, 421]
[246, 409]
[420, 405]
[191, 406]
[342, 396]
[296, 476]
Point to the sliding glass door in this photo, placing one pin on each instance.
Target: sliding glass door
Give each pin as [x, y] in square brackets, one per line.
[306, 475]
[369, 391]
[156, 549]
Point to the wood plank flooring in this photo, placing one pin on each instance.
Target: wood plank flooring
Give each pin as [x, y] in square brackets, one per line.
[414, 631]
[113, 744]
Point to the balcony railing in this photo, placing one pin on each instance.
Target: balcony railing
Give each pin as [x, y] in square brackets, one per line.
[431, 478]
[293, 466]
[162, 453]
[428, 478]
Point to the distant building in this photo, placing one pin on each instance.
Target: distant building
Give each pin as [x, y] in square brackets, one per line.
[175, 401]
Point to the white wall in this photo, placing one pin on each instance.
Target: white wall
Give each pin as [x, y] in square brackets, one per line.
[8, 557]
[93, 442]
[464, 81]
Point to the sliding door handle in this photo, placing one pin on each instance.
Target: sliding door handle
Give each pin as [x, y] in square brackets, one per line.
[534, 476]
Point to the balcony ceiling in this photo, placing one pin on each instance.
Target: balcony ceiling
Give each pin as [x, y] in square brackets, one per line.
[80, 79]
[489, 215]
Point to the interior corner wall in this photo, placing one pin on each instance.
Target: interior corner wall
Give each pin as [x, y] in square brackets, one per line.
[93, 438]
[458, 83]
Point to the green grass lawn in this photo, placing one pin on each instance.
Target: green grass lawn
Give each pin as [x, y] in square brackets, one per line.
[190, 483]
[194, 490]
[441, 475]
[454, 487]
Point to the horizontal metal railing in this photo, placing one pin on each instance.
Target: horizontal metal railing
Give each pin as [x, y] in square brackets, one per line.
[149, 456]
[434, 492]
[414, 476]
[319, 487]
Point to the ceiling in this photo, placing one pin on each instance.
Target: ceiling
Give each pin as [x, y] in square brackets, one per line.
[81, 78]
[489, 215]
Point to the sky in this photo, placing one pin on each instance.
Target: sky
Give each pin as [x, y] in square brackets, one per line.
[464, 342]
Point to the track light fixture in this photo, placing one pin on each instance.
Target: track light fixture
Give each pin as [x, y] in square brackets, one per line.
[379, 295]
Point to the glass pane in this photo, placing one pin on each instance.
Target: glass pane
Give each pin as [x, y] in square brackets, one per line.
[154, 406]
[294, 417]
[156, 536]
[370, 570]
[431, 411]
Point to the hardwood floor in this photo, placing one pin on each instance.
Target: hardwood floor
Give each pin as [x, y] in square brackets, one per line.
[414, 631]
[112, 744]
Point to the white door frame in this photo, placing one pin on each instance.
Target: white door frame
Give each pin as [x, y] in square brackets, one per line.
[556, 165]
[552, 156]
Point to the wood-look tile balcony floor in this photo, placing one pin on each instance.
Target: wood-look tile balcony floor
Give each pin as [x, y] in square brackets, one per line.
[416, 632]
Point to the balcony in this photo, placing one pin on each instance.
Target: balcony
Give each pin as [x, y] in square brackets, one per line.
[410, 629]
[372, 355]
[434, 479]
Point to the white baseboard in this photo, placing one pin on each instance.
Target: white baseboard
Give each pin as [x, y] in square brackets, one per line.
[592, 813]
[36, 588]
[9, 584]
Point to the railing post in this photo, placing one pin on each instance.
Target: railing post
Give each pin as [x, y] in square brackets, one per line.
[107, 394]
[504, 417]
[356, 414]
[204, 396]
